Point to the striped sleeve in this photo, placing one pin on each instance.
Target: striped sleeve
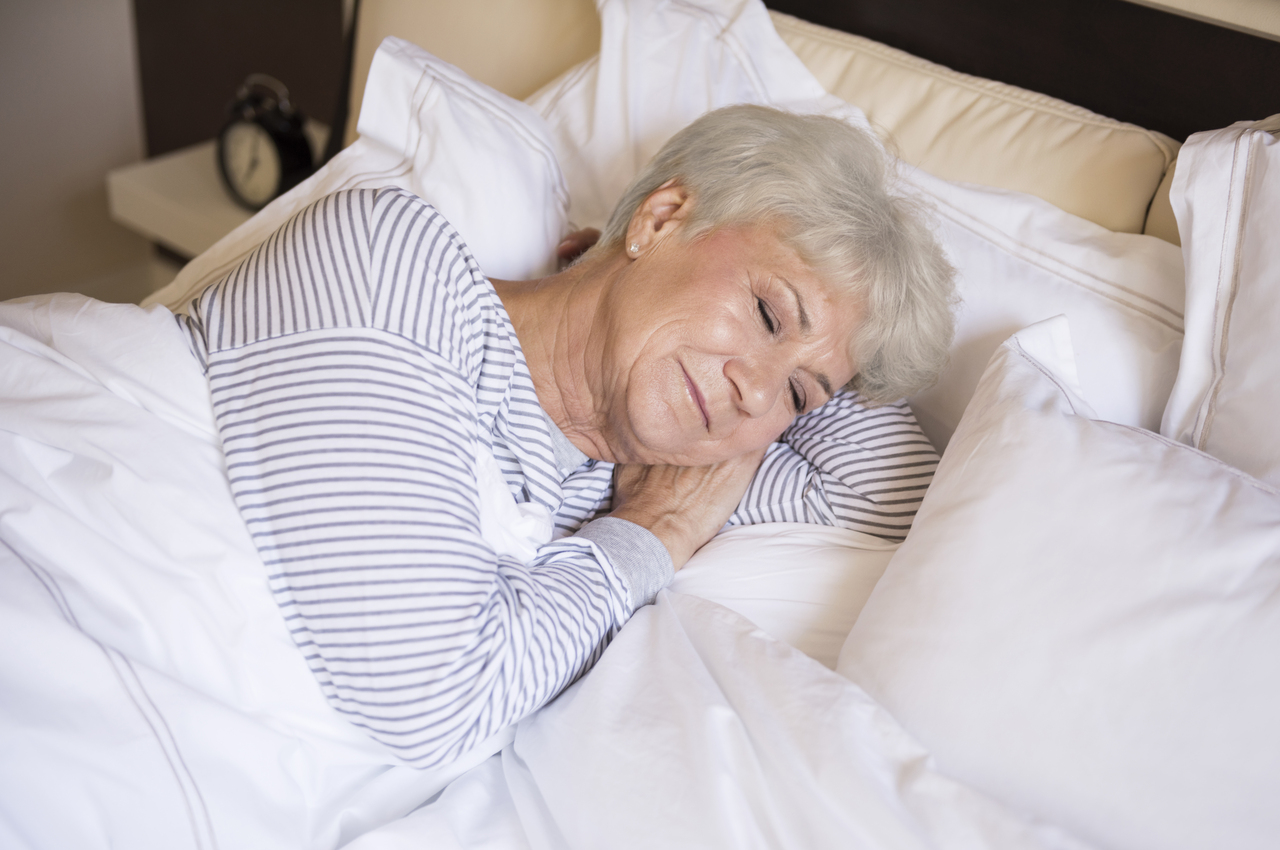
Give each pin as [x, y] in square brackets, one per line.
[843, 464]
[847, 465]
[346, 359]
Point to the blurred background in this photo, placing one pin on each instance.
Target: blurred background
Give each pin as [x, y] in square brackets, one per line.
[87, 86]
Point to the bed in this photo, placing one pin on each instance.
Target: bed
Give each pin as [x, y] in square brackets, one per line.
[1074, 647]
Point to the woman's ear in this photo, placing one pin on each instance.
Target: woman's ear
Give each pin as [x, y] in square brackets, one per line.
[657, 217]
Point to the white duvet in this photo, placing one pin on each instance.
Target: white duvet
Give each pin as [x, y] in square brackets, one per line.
[151, 694]
[698, 730]
[152, 697]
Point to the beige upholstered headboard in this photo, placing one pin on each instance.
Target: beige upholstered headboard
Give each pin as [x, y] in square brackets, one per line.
[515, 46]
[964, 128]
[956, 126]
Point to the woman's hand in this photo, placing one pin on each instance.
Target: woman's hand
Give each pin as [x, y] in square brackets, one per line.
[575, 244]
[684, 506]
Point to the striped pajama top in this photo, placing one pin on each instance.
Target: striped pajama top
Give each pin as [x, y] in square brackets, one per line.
[356, 359]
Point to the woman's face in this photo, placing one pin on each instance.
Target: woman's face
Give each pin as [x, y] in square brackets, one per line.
[711, 348]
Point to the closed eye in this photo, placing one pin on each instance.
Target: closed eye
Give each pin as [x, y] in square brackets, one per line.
[766, 318]
[798, 401]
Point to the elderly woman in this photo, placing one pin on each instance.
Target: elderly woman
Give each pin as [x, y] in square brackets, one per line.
[365, 375]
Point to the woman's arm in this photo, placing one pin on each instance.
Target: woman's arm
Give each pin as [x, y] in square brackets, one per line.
[354, 363]
[844, 464]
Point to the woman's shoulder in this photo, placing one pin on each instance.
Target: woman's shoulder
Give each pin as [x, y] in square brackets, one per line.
[401, 225]
[382, 259]
[409, 228]
[426, 286]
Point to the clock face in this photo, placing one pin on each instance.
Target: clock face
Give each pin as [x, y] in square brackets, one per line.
[251, 162]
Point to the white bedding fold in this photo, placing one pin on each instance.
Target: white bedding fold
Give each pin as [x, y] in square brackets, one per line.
[698, 730]
[152, 694]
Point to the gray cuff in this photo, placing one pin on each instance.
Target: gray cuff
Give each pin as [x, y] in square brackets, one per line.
[638, 556]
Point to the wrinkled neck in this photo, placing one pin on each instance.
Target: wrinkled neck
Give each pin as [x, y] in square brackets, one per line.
[557, 320]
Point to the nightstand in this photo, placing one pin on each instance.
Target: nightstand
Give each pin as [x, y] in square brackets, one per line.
[177, 200]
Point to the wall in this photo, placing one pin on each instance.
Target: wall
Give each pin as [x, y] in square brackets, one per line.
[193, 56]
[1257, 17]
[70, 106]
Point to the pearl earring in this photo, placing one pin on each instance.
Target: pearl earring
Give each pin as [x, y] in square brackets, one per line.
[635, 247]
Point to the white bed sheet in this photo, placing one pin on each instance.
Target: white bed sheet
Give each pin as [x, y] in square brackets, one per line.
[697, 730]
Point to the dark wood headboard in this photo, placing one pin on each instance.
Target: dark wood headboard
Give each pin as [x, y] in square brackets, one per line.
[1138, 64]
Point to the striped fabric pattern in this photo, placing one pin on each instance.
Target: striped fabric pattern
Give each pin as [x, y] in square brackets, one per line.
[356, 360]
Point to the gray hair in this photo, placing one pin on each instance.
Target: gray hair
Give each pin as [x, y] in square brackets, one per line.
[829, 190]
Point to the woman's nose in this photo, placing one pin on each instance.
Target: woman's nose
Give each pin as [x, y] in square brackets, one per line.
[757, 381]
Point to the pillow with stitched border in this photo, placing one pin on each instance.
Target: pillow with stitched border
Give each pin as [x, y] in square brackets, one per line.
[1083, 621]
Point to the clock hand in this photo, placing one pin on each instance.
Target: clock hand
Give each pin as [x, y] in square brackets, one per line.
[253, 158]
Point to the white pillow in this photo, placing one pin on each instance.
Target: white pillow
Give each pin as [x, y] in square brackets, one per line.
[662, 65]
[1084, 620]
[1226, 196]
[1020, 259]
[802, 584]
[484, 160]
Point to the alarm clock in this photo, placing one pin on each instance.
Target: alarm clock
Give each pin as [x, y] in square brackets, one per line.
[262, 151]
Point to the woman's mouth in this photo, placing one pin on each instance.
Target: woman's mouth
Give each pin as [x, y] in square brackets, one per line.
[697, 398]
